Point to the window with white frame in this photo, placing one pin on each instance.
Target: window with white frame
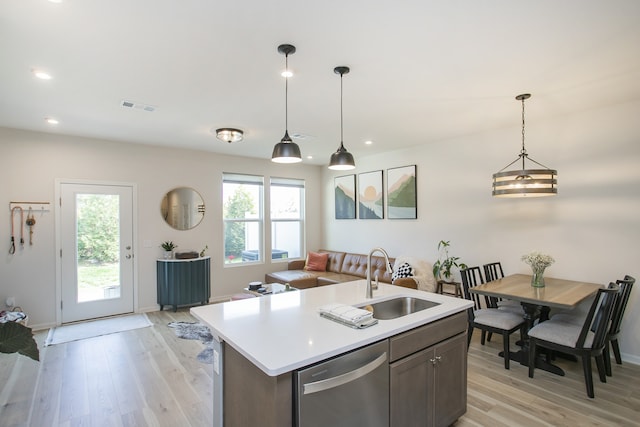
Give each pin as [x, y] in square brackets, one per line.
[287, 218]
[242, 201]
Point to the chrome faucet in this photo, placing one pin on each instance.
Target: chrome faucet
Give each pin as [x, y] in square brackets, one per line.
[388, 264]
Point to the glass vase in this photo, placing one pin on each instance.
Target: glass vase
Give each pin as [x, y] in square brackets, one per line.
[537, 280]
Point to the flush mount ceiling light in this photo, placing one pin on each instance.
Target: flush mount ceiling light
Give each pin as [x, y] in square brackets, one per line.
[41, 74]
[286, 151]
[341, 160]
[525, 182]
[229, 135]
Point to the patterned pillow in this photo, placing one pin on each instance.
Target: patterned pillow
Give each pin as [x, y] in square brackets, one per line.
[404, 270]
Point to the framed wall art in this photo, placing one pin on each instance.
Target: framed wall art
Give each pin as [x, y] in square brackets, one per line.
[345, 196]
[402, 202]
[370, 195]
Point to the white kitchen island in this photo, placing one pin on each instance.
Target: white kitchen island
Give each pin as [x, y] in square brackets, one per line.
[273, 336]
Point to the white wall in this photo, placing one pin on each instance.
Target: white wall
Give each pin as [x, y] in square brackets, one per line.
[33, 161]
[591, 228]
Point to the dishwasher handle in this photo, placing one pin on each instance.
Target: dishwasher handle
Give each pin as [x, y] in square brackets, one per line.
[339, 380]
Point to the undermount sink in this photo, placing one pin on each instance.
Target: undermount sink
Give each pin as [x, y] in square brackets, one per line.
[397, 307]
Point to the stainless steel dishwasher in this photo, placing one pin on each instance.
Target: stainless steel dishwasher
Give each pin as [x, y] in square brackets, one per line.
[347, 391]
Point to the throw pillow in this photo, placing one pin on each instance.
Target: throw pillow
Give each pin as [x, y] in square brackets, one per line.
[316, 261]
[403, 270]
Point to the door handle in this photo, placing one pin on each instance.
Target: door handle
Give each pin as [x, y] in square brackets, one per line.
[339, 380]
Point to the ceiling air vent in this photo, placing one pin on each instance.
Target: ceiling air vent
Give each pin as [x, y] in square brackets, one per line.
[137, 105]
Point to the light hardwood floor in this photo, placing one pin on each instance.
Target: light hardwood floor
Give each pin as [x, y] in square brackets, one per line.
[149, 377]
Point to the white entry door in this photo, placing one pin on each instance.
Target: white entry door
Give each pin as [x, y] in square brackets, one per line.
[96, 250]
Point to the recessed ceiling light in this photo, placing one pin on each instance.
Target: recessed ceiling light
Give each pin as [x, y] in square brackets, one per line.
[287, 73]
[41, 74]
[368, 142]
[51, 120]
[55, 1]
[309, 157]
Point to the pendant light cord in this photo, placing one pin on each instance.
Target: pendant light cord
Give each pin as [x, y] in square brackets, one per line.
[523, 152]
[286, 93]
[341, 115]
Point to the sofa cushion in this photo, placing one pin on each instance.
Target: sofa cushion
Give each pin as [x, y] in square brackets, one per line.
[316, 261]
[356, 265]
[297, 278]
[333, 278]
[334, 263]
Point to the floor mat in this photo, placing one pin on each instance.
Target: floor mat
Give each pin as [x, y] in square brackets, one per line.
[196, 331]
[96, 328]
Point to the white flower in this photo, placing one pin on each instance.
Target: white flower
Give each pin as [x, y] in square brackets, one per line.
[538, 260]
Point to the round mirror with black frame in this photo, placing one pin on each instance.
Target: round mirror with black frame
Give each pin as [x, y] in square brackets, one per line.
[182, 208]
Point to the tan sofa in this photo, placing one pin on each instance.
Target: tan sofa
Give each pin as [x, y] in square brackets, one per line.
[341, 267]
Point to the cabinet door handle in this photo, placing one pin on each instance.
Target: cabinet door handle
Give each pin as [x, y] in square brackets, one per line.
[128, 257]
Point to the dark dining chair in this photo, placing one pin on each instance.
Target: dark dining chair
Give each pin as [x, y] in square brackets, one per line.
[493, 271]
[585, 341]
[616, 322]
[487, 318]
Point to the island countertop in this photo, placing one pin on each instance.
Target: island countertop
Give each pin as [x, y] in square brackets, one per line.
[283, 332]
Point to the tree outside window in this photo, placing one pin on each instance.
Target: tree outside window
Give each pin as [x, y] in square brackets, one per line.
[242, 211]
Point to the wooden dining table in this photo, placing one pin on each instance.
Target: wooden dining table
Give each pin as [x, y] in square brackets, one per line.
[537, 302]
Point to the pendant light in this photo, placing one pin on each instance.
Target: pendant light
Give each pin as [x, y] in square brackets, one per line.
[525, 182]
[341, 160]
[286, 151]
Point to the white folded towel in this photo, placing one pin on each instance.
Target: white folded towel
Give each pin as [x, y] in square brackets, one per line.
[346, 313]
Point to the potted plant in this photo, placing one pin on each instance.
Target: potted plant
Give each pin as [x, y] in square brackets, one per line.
[168, 247]
[443, 268]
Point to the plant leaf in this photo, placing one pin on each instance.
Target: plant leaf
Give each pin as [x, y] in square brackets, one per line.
[17, 338]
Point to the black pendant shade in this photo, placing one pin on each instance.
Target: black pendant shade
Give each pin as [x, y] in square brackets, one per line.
[286, 151]
[342, 160]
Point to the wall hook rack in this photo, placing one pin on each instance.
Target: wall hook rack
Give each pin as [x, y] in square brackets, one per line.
[35, 206]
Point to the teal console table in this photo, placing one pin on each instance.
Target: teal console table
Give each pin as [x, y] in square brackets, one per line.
[183, 281]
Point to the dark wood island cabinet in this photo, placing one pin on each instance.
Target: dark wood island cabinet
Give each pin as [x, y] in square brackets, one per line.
[428, 387]
[427, 381]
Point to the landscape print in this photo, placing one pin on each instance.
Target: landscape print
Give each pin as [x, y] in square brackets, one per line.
[345, 196]
[370, 199]
[401, 193]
